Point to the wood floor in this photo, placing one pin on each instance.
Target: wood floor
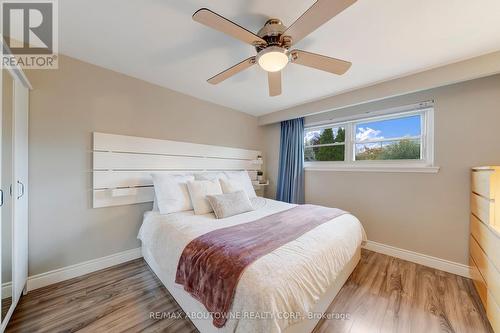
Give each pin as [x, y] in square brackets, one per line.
[384, 294]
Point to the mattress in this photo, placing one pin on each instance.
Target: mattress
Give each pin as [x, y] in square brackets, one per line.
[278, 290]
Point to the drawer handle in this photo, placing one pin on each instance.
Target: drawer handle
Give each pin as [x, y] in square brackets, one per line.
[22, 190]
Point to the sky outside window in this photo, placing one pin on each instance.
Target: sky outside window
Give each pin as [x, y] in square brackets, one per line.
[386, 129]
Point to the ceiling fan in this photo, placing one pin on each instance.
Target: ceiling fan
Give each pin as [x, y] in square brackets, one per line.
[274, 40]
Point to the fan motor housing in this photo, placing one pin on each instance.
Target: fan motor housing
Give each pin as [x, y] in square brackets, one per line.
[271, 32]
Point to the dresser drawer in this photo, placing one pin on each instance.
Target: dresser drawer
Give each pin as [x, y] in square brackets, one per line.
[493, 313]
[478, 281]
[483, 208]
[488, 240]
[487, 270]
[490, 305]
[482, 183]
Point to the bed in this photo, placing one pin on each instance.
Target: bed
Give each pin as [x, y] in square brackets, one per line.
[286, 290]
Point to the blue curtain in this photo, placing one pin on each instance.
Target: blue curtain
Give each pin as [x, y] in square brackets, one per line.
[291, 164]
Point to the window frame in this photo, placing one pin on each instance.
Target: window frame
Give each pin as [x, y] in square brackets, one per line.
[424, 164]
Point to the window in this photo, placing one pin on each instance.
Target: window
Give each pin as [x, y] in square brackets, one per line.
[325, 144]
[391, 139]
[396, 140]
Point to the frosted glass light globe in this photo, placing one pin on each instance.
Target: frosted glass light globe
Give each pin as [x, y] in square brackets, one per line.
[272, 59]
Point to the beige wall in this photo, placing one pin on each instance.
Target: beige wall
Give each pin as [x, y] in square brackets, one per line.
[66, 106]
[426, 213]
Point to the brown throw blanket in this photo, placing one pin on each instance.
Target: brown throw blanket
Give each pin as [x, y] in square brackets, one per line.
[212, 264]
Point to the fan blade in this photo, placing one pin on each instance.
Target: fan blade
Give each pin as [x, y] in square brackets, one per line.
[215, 21]
[321, 62]
[318, 14]
[232, 71]
[274, 79]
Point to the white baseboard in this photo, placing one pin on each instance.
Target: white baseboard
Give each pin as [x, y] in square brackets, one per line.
[69, 272]
[419, 258]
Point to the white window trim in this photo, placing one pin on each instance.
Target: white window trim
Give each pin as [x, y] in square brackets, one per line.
[425, 165]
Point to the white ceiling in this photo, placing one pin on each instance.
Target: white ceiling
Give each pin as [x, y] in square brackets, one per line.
[157, 41]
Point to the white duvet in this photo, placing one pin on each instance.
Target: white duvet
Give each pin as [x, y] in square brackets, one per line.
[289, 280]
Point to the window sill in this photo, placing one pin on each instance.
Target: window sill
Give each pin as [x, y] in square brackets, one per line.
[373, 168]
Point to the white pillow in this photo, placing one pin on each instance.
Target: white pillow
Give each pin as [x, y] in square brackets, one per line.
[231, 185]
[171, 192]
[198, 190]
[209, 175]
[243, 178]
[229, 204]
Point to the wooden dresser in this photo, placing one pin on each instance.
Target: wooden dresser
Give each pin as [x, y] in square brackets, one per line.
[484, 242]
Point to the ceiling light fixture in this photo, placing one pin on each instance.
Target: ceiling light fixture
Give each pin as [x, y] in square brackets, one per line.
[273, 58]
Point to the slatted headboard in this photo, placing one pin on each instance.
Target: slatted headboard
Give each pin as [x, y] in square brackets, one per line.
[123, 165]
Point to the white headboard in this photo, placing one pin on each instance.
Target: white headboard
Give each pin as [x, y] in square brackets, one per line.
[123, 165]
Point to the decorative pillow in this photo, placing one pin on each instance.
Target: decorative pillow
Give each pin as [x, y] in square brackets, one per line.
[198, 190]
[229, 204]
[243, 178]
[171, 192]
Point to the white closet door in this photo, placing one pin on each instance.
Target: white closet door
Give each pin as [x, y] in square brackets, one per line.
[20, 250]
